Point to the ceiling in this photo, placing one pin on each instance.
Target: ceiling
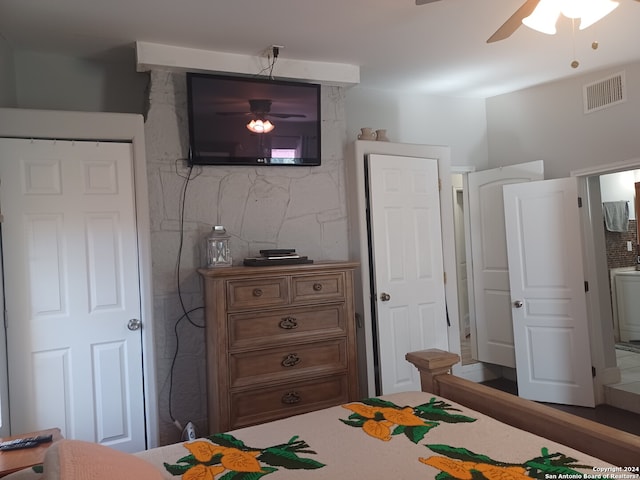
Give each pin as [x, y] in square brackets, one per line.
[439, 48]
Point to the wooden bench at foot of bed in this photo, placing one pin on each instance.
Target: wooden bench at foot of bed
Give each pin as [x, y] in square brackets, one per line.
[601, 441]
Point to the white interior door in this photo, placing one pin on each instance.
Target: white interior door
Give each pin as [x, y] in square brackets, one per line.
[461, 262]
[70, 252]
[492, 328]
[550, 323]
[408, 265]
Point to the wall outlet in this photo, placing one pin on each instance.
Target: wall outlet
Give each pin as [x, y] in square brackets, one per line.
[629, 247]
[189, 432]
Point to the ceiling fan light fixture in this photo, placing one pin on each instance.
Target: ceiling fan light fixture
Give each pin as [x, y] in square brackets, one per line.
[595, 10]
[544, 17]
[260, 126]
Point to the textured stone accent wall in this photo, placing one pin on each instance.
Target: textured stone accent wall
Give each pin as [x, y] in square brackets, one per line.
[261, 207]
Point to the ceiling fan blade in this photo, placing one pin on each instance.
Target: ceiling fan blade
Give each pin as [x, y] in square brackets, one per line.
[265, 114]
[424, 2]
[514, 21]
[286, 115]
[233, 113]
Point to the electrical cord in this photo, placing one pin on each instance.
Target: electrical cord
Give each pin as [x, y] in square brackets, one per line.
[181, 244]
[186, 313]
[272, 59]
[276, 52]
[173, 362]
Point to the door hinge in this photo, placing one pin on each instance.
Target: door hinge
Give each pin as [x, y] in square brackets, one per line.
[593, 372]
[586, 286]
[579, 202]
[439, 184]
[444, 275]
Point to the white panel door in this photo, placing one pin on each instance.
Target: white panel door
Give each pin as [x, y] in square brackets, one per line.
[72, 285]
[550, 324]
[408, 265]
[493, 330]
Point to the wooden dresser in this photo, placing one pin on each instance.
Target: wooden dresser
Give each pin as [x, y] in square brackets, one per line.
[280, 341]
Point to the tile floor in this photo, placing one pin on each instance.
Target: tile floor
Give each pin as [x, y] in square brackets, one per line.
[626, 394]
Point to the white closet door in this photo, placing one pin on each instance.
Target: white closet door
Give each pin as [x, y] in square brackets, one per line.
[492, 320]
[408, 264]
[72, 286]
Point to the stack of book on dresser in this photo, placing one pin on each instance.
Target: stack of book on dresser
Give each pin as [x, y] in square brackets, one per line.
[277, 256]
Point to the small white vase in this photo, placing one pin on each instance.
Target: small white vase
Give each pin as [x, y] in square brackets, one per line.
[367, 134]
[381, 135]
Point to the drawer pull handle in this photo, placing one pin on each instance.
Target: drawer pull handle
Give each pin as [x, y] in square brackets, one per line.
[288, 323]
[291, 360]
[257, 292]
[317, 287]
[291, 398]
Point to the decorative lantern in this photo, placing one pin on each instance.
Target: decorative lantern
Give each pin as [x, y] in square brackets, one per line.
[218, 253]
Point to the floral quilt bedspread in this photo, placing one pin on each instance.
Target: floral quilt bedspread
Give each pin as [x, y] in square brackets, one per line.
[411, 435]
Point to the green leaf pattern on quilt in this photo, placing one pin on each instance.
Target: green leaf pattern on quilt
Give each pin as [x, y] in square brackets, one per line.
[463, 464]
[382, 419]
[231, 459]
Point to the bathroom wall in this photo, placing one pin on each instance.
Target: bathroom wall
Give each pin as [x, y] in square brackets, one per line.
[620, 187]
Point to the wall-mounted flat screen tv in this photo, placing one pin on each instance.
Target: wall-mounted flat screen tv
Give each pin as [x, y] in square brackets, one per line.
[252, 121]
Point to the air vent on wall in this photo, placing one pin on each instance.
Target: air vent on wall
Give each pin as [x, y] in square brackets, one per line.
[604, 93]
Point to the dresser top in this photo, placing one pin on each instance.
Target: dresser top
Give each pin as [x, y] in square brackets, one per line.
[276, 269]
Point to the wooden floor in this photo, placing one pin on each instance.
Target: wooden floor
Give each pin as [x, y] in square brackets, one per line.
[605, 414]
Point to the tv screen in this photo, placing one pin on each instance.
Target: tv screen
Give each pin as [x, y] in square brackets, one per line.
[252, 121]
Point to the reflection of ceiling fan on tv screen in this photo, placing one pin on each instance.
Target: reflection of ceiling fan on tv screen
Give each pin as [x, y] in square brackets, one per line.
[235, 120]
[261, 108]
[260, 111]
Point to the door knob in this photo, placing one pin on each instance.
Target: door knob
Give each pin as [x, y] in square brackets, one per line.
[518, 304]
[385, 297]
[134, 324]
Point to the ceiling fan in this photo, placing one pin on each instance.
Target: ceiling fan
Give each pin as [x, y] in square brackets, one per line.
[512, 23]
[261, 108]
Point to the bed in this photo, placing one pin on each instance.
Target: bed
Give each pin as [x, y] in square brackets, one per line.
[447, 431]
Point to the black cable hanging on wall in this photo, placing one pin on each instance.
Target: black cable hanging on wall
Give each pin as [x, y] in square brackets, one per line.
[185, 313]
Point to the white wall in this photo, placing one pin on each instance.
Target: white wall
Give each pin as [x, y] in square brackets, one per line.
[547, 122]
[59, 82]
[7, 76]
[458, 123]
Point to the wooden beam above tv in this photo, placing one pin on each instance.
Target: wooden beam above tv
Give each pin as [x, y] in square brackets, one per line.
[169, 57]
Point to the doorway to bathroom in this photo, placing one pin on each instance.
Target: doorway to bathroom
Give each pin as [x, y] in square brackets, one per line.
[619, 392]
[619, 193]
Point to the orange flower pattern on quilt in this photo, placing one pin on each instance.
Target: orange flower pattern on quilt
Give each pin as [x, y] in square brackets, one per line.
[463, 464]
[382, 419]
[464, 470]
[226, 456]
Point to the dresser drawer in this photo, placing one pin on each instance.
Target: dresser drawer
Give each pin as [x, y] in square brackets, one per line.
[318, 287]
[262, 405]
[286, 325]
[260, 292]
[287, 361]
